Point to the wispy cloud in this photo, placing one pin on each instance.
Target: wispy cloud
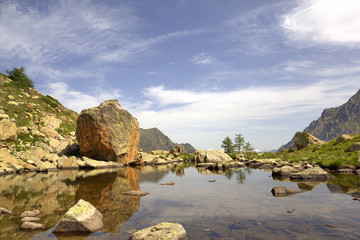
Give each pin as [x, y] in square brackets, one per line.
[203, 59]
[324, 22]
[77, 100]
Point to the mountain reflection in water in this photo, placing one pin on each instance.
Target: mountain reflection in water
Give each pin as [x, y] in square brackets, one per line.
[238, 205]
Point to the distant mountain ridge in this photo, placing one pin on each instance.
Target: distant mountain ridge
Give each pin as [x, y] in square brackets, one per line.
[153, 139]
[333, 122]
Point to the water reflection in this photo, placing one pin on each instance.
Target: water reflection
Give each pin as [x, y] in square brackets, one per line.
[237, 206]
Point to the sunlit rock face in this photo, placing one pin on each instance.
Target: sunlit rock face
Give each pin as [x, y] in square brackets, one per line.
[108, 133]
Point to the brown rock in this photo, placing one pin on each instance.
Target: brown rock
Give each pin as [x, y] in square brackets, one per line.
[67, 163]
[314, 174]
[108, 132]
[35, 153]
[280, 191]
[163, 230]
[10, 162]
[51, 122]
[82, 218]
[4, 211]
[136, 193]
[304, 140]
[342, 138]
[177, 150]
[8, 130]
[212, 156]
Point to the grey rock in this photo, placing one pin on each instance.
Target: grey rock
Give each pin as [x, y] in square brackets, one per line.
[136, 193]
[163, 230]
[32, 226]
[30, 219]
[33, 213]
[280, 191]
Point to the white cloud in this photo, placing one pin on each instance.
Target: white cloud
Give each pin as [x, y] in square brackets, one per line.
[203, 59]
[324, 22]
[188, 114]
[78, 101]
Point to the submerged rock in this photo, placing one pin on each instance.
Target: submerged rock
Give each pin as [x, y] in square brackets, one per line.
[108, 132]
[136, 193]
[82, 218]
[163, 230]
[280, 191]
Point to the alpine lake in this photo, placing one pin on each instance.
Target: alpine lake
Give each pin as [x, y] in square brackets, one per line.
[237, 205]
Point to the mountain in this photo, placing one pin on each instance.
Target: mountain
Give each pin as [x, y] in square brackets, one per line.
[333, 122]
[153, 139]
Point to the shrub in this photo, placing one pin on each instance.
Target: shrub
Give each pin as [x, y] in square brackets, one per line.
[19, 78]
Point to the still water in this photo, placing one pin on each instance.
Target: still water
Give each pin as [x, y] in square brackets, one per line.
[239, 205]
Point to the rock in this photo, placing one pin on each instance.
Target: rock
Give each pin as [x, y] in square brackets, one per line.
[280, 191]
[13, 103]
[30, 219]
[49, 132]
[160, 152]
[342, 138]
[32, 226]
[33, 213]
[108, 132]
[86, 162]
[67, 163]
[240, 156]
[51, 122]
[357, 172]
[177, 150]
[212, 180]
[284, 171]
[82, 218]
[71, 150]
[35, 153]
[315, 174]
[160, 160]
[163, 230]
[3, 115]
[8, 130]
[51, 157]
[354, 147]
[54, 143]
[304, 140]
[212, 156]
[146, 157]
[11, 97]
[136, 193]
[4, 211]
[168, 183]
[7, 162]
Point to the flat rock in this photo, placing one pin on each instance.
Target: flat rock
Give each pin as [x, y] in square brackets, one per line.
[136, 193]
[33, 213]
[163, 230]
[312, 174]
[32, 226]
[5, 211]
[30, 219]
[168, 183]
[86, 162]
[82, 218]
[280, 191]
[212, 156]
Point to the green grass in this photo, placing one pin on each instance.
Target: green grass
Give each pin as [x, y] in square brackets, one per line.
[188, 156]
[329, 155]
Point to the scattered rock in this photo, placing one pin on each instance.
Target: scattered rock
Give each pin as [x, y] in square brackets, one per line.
[8, 130]
[304, 140]
[168, 183]
[49, 132]
[354, 147]
[82, 218]
[284, 171]
[33, 213]
[177, 150]
[280, 191]
[5, 211]
[163, 230]
[108, 132]
[212, 180]
[136, 193]
[159, 152]
[51, 122]
[67, 163]
[30, 219]
[32, 226]
[291, 210]
[35, 153]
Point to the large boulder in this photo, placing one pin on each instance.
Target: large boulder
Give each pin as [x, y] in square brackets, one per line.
[342, 138]
[312, 174]
[305, 139]
[108, 132]
[354, 147]
[211, 156]
[163, 230]
[83, 218]
[8, 130]
[179, 149]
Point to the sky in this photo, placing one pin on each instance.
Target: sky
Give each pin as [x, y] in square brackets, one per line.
[198, 70]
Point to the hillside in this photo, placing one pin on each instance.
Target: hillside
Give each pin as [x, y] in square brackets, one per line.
[333, 122]
[153, 139]
[33, 114]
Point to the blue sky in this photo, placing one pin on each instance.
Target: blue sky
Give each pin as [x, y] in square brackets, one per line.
[199, 70]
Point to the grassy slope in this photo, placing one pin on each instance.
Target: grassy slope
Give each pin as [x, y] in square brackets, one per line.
[329, 155]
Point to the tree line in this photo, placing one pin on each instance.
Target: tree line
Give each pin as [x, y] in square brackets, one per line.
[238, 145]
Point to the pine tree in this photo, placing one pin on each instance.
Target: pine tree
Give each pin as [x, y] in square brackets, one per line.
[239, 142]
[227, 145]
[19, 78]
[248, 147]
